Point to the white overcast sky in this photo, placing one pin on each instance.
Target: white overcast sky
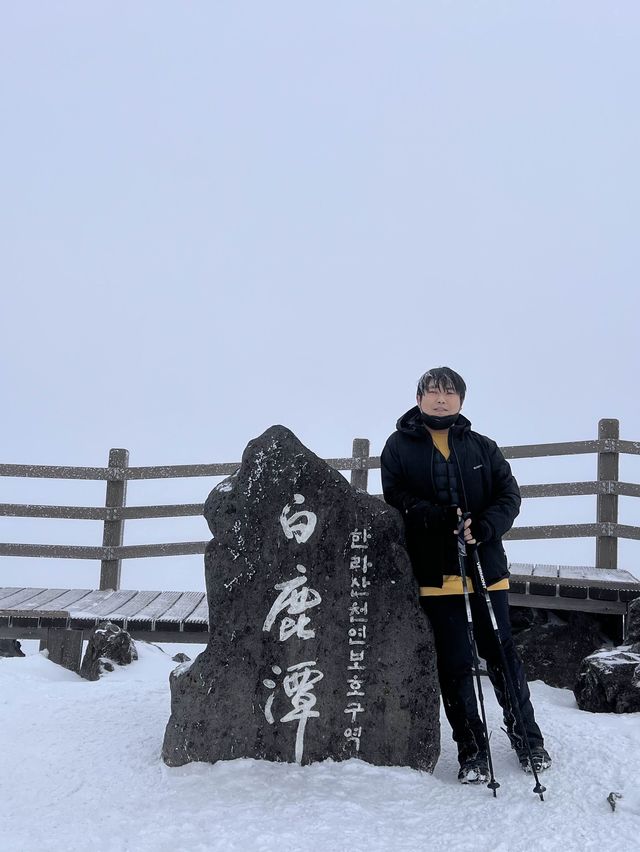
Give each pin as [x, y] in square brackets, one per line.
[219, 216]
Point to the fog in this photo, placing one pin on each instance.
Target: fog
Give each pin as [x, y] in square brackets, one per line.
[218, 217]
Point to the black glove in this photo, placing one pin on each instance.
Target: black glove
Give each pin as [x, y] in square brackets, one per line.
[483, 531]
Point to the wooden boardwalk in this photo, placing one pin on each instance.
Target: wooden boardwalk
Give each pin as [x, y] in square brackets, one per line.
[180, 616]
[163, 616]
[571, 587]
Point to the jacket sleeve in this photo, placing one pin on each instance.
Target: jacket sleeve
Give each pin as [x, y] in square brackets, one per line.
[418, 513]
[497, 519]
[393, 485]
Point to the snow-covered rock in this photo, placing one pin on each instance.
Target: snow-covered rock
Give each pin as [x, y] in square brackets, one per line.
[108, 644]
[609, 682]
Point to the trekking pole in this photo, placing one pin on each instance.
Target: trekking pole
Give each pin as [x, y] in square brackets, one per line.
[539, 789]
[462, 555]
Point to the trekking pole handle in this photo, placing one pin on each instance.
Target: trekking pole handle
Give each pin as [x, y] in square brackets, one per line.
[461, 519]
[462, 545]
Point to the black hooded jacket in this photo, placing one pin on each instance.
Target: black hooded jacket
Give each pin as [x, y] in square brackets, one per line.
[486, 488]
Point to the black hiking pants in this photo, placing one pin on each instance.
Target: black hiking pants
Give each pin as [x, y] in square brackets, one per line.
[448, 618]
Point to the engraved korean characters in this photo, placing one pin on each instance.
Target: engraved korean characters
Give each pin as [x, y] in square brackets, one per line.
[359, 567]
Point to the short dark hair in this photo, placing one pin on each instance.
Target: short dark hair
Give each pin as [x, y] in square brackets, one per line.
[444, 378]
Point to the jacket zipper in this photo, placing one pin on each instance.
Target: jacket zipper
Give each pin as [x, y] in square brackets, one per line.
[433, 479]
[461, 479]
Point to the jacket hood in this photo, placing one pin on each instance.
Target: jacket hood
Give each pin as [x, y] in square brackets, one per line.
[411, 424]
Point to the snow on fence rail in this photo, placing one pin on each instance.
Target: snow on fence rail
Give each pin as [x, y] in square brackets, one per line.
[115, 512]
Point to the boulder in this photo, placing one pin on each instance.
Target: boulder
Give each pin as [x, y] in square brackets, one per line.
[553, 651]
[609, 682]
[181, 658]
[10, 648]
[318, 648]
[108, 644]
[633, 622]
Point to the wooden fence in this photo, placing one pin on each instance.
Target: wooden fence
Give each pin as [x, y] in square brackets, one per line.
[115, 512]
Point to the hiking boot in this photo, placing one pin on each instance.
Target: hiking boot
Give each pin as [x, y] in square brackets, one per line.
[541, 759]
[474, 771]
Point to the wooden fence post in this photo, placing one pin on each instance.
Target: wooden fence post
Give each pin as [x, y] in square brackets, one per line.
[360, 475]
[607, 500]
[113, 534]
[64, 647]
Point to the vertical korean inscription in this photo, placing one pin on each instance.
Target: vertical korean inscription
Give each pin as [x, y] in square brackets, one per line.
[294, 600]
[359, 567]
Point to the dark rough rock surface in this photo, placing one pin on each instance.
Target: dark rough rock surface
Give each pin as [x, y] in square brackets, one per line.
[318, 645]
[523, 617]
[553, 650]
[108, 644]
[10, 648]
[609, 682]
[633, 622]
[181, 658]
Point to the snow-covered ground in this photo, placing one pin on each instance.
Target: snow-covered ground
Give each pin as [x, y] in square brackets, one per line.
[81, 770]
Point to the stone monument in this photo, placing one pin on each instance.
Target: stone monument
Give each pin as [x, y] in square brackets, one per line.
[318, 648]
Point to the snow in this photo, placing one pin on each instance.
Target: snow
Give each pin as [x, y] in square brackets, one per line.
[620, 656]
[82, 770]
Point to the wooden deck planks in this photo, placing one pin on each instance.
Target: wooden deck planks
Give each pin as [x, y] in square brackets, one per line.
[19, 598]
[200, 615]
[99, 604]
[8, 591]
[132, 607]
[180, 610]
[521, 569]
[66, 601]
[157, 607]
[598, 577]
[583, 588]
[576, 575]
[545, 571]
[45, 597]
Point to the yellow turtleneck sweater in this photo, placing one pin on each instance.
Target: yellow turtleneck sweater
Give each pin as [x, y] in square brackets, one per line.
[452, 583]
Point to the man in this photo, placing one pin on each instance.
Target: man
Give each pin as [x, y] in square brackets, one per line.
[433, 468]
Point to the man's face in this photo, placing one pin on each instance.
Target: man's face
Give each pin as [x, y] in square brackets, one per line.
[438, 401]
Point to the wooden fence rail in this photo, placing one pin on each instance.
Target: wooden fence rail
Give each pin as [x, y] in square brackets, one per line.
[607, 488]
